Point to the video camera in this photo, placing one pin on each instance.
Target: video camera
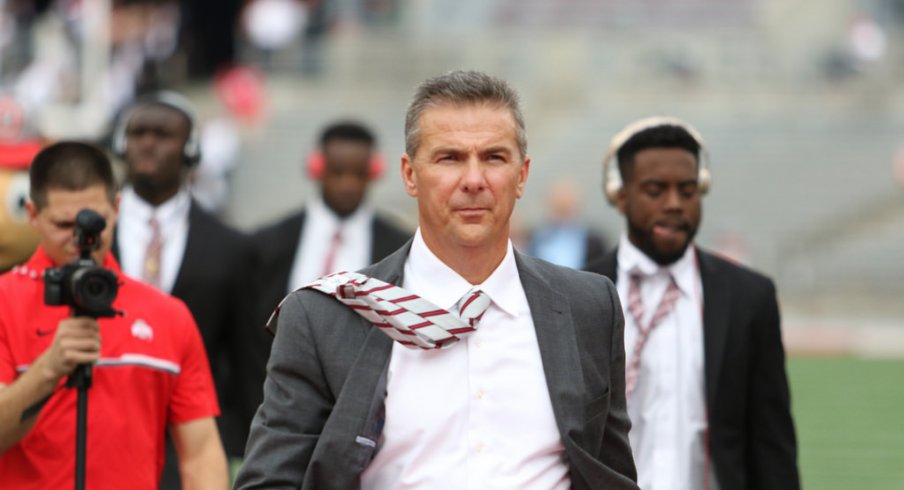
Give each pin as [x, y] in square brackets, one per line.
[81, 284]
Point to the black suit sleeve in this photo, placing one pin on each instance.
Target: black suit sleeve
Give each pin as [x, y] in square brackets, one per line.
[249, 344]
[771, 438]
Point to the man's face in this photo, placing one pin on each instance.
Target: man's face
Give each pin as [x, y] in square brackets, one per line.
[155, 141]
[346, 174]
[466, 176]
[661, 202]
[55, 222]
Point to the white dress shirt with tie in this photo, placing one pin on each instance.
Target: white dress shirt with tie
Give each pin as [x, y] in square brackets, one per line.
[476, 415]
[667, 408]
[319, 254]
[133, 234]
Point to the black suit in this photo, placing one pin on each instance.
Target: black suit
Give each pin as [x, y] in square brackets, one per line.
[214, 281]
[752, 442]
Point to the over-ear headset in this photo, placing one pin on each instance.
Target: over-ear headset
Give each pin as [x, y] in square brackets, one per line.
[316, 164]
[191, 153]
[612, 181]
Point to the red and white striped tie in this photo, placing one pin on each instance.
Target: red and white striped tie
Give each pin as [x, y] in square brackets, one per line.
[330, 261]
[405, 317]
[153, 255]
[636, 309]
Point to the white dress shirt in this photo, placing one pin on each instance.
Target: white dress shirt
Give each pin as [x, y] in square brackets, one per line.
[133, 234]
[316, 242]
[667, 408]
[477, 415]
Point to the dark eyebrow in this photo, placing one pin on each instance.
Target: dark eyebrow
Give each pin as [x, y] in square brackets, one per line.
[65, 223]
[652, 181]
[655, 181]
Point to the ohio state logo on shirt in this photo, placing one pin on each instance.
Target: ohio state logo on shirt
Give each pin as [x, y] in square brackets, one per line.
[142, 331]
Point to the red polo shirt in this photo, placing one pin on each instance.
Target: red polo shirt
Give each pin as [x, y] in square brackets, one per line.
[153, 372]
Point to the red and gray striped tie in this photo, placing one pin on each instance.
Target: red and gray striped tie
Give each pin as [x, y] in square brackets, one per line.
[405, 317]
[635, 307]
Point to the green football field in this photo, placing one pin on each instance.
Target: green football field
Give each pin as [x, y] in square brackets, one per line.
[850, 422]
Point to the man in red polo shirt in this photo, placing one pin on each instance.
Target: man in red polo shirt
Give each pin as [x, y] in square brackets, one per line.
[150, 369]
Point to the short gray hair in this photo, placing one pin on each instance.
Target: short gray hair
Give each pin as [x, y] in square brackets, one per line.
[461, 88]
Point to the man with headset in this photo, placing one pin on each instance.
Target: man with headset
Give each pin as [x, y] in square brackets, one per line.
[705, 366]
[337, 230]
[166, 239]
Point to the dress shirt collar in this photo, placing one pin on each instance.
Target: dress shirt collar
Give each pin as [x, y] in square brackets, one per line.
[442, 286]
[140, 211]
[631, 260]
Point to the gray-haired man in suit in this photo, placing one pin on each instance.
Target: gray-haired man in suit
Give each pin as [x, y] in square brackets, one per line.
[533, 399]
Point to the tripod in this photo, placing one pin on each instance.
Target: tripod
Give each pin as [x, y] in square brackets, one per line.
[81, 380]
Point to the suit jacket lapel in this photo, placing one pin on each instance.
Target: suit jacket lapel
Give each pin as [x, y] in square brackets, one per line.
[556, 338]
[193, 246]
[716, 300]
[366, 382]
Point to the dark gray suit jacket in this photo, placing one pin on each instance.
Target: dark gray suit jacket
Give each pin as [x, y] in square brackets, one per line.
[751, 442]
[326, 382]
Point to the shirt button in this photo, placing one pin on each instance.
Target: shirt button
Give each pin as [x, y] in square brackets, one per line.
[479, 448]
[480, 394]
[478, 344]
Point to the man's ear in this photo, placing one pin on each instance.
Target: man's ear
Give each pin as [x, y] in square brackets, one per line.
[116, 200]
[522, 178]
[408, 175]
[32, 211]
[621, 200]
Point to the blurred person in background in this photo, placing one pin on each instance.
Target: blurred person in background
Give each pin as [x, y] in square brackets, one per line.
[706, 384]
[418, 396]
[167, 240]
[564, 239]
[208, 35]
[150, 372]
[337, 230]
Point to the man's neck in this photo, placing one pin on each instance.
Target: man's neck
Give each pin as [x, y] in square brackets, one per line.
[475, 264]
[155, 197]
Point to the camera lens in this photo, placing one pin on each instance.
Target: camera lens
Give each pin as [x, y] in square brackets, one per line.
[94, 289]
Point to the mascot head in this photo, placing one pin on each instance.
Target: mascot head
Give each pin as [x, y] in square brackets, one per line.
[17, 148]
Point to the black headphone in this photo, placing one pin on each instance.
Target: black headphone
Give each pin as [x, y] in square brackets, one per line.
[612, 180]
[191, 153]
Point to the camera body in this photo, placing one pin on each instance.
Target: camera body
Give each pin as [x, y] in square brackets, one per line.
[81, 284]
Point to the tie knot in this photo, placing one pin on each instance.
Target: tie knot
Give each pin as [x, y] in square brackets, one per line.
[638, 276]
[472, 305]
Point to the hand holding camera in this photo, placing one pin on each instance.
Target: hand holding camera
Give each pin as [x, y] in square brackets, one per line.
[76, 342]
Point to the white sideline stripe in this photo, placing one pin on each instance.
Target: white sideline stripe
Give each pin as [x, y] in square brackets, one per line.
[129, 360]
